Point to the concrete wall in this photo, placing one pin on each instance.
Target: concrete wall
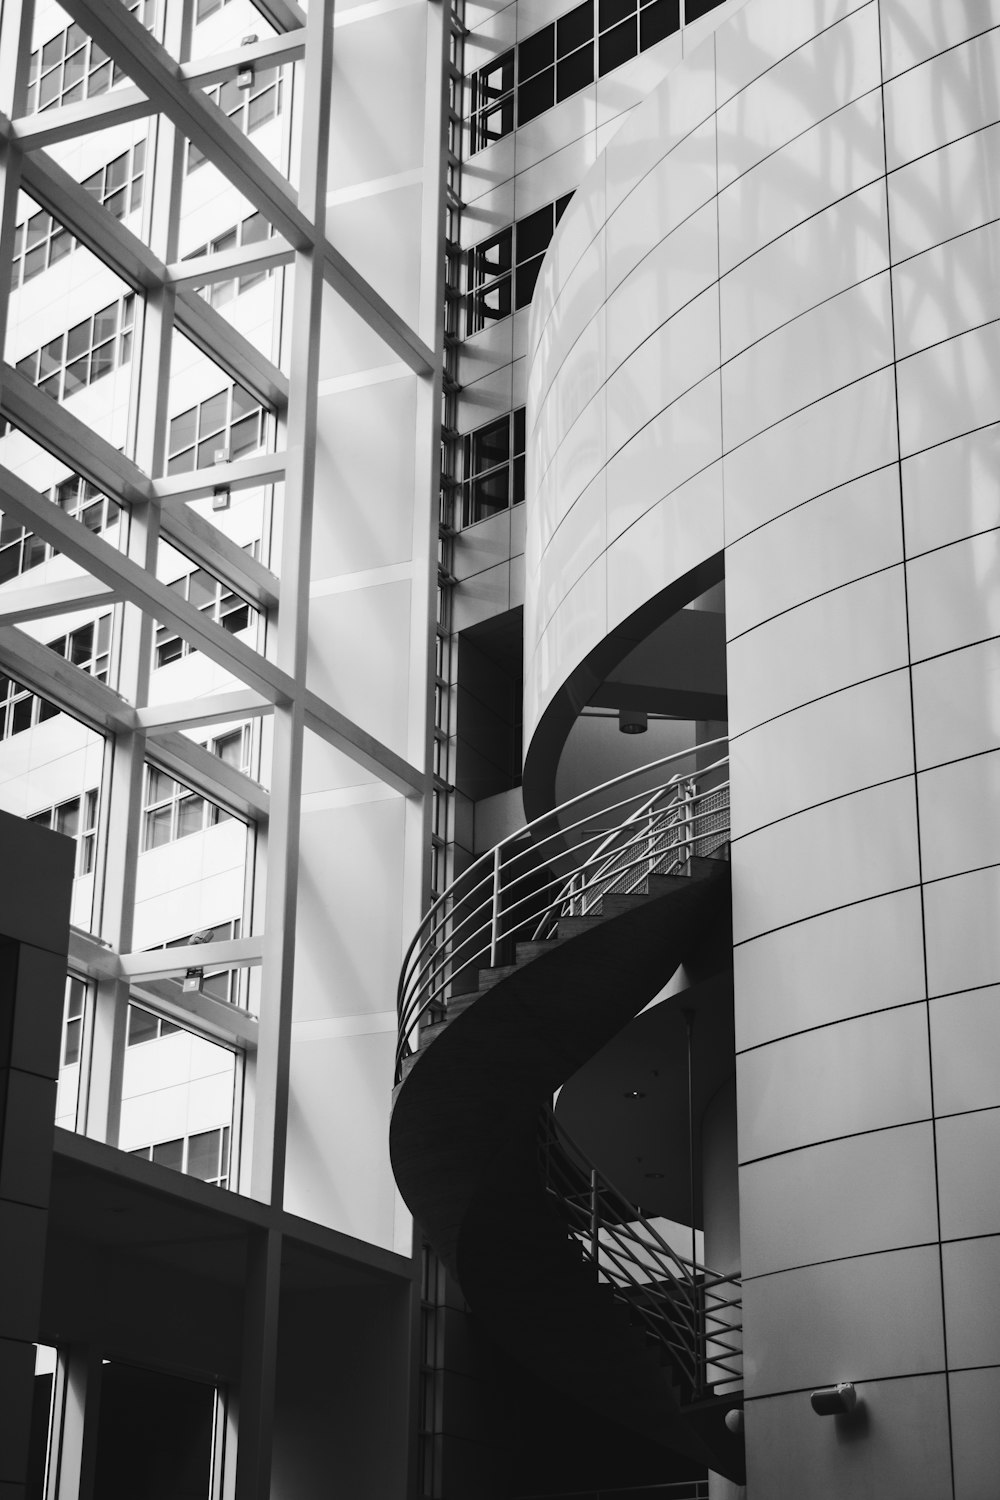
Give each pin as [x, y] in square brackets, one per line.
[768, 322]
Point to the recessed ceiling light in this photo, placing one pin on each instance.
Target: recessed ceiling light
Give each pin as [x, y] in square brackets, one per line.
[633, 1094]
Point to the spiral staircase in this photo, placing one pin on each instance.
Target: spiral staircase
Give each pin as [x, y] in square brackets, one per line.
[521, 971]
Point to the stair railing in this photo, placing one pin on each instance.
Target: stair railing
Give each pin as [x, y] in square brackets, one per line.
[692, 1313]
[604, 841]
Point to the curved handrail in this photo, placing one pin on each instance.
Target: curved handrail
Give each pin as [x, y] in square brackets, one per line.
[695, 1314]
[558, 865]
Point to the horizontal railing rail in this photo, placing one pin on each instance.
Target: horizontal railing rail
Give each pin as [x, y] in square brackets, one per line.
[684, 1489]
[610, 840]
[693, 1313]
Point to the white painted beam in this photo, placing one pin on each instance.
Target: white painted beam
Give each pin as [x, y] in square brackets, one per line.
[201, 270]
[54, 678]
[287, 47]
[196, 713]
[161, 963]
[206, 773]
[135, 583]
[41, 600]
[69, 121]
[210, 1017]
[240, 474]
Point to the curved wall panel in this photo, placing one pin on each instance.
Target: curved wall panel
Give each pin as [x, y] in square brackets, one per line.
[770, 324]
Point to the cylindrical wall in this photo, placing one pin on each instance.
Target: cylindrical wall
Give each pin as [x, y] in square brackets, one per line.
[769, 322]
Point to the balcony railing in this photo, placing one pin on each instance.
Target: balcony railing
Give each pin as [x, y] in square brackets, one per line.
[650, 821]
[692, 1313]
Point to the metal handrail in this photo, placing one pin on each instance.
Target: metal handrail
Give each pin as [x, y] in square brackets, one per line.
[559, 866]
[693, 1313]
[683, 1489]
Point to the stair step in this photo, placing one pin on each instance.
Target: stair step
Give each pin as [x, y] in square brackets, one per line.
[489, 977]
[431, 1033]
[459, 1003]
[570, 927]
[527, 951]
[662, 885]
[616, 902]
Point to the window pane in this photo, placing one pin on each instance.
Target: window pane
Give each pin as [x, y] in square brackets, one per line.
[229, 747]
[81, 644]
[496, 79]
[67, 818]
[495, 301]
[574, 73]
[106, 323]
[524, 282]
[244, 436]
[575, 28]
[182, 429]
[203, 1154]
[157, 830]
[661, 19]
[170, 1154]
[243, 402]
[534, 233]
[213, 414]
[490, 446]
[190, 815]
[201, 588]
[142, 1026]
[536, 52]
[490, 495]
[493, 257]
[102, 361]
[610, 12]
[617, 46]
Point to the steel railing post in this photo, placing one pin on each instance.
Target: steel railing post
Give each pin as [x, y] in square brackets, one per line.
[595, 1241]
[495, 915]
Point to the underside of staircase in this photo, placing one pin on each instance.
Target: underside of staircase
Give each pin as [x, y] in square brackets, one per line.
[465, 1152]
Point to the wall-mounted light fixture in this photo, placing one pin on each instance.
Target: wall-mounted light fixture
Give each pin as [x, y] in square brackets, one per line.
[632, 721]
[834, 1400]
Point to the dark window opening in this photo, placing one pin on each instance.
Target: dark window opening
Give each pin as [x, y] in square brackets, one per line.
[493, 468]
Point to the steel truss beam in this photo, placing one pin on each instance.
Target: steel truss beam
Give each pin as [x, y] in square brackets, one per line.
[194, 713]
[162, 963]
[67, 122]
[160, 77]
[136, 584]
[82, 450]
[131, 259]
[289, 47]
[225, 264]
[38, 602]
[239, 474]
[213, 1018]
[103, 710]
[123, 105]
[132, 582]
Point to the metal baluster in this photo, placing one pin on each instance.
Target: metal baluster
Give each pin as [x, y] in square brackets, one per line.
[495, 917]
[594, 1227]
